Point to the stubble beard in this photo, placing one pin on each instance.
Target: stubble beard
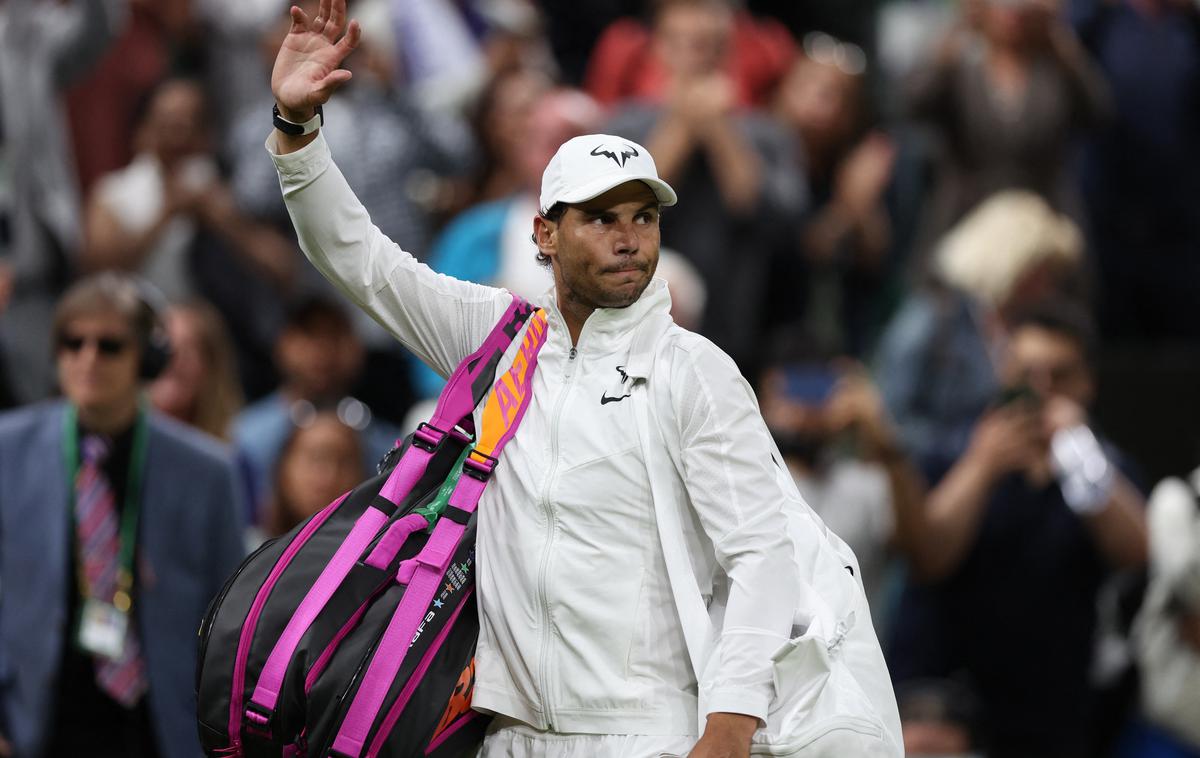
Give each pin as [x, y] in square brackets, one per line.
[592, 293]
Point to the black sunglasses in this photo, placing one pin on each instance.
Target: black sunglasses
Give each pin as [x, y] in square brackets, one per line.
[107, 346]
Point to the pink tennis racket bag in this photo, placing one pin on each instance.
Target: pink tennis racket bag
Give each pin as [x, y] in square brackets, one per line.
[354, 635]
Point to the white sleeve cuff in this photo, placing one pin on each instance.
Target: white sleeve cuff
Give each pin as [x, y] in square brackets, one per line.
[298, 169]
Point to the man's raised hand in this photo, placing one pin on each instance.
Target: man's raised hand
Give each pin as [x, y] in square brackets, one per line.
[306, 70]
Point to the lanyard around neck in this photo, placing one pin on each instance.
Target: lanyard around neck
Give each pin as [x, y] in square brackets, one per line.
[133, 498]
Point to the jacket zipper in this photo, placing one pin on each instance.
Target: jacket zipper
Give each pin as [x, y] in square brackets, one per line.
[544, 571]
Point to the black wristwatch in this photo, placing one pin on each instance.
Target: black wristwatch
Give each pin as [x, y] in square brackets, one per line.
[294, 129]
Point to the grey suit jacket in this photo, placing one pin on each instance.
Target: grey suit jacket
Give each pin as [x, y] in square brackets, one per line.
[190, 540]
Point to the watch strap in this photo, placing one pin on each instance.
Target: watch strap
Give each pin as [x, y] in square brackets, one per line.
[294, 129]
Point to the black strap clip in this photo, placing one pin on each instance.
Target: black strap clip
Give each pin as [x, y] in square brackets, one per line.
[479, 469]
[428, 438]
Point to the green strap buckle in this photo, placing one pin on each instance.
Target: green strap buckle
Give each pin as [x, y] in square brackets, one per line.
[434, 510]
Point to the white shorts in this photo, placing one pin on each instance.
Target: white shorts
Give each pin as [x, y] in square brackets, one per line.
[508, 738]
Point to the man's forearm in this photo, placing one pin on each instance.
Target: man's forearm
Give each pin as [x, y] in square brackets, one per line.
[726, 735]
[954, 509]
[1119, 528]
[911, 535]
[736, 165]
[438, 318]
[671, 144]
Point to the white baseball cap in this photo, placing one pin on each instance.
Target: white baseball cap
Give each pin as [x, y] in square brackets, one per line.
[588, 166]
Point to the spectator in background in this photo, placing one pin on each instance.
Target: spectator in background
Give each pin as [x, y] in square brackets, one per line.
[1005, 97]
[491, 242]
[1019, 537]
[321, 459]
[939, 718]
[630, 62]
[147, 216]
[233, 66]
[401, 161]
[392, 152]
[450, 49]
[200, 385]
[1141, 175]
[158, 40]
[734, 170]
[118, 528]
[501, 119]
[44, 48]
[1167, 630]
[936, 359]
[684, 285]
[320, 359]
[838, 259]
[843, 453]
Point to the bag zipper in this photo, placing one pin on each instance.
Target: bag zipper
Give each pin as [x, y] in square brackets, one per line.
[210, 614]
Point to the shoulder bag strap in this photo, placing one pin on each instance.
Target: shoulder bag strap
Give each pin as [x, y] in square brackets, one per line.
[660, 465]
[503, 412]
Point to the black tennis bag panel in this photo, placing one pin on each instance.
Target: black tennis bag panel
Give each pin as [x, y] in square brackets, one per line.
[229, 624]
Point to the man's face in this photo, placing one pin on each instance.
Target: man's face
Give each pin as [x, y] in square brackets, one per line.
[174, 125]
[1052, 364]
[819, 101]
[692, 38]
[98, 362]
[321, 361]
[604, 251]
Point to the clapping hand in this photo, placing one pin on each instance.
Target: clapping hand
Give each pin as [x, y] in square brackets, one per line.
[307, 69]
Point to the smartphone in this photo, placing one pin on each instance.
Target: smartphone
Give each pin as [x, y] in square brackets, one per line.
[1018, 393]
[811, 384]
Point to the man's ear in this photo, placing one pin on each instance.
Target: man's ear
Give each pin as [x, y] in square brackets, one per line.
[545, 235]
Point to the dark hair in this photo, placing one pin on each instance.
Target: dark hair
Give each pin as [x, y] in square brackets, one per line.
[942, 700]
[145, 101]
[311, 312]
[794, 344]
[553, 213]
[658, 6]
[1065, 318]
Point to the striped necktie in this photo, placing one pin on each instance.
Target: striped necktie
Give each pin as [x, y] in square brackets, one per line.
[97, 529]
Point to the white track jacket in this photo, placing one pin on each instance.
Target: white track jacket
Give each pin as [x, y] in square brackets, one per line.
[579, 632]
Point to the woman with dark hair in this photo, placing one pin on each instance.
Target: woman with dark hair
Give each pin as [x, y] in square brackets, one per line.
[322, 458]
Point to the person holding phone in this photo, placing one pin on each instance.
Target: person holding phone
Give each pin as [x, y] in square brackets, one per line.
[1017, 540]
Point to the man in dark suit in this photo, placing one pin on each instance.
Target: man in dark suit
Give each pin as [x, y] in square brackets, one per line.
[117, 527]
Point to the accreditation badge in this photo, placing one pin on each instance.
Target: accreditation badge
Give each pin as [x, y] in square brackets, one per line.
[102, 629]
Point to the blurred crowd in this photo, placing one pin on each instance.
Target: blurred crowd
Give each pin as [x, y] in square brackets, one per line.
[955, 246]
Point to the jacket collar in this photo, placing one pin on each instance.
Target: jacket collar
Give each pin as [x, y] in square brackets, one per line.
[607, 328]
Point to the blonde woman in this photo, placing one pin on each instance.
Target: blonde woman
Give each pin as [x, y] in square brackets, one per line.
[200, 385]
[936, 361]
